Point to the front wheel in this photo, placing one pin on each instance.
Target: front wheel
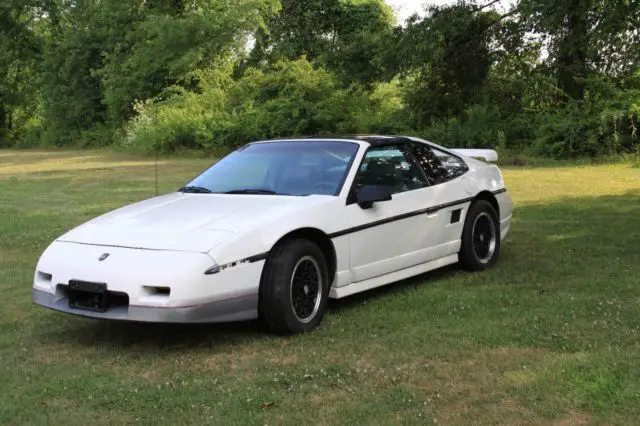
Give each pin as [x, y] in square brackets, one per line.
[294, 287]
[480, 237]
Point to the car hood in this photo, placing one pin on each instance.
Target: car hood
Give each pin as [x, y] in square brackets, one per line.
[186, 222]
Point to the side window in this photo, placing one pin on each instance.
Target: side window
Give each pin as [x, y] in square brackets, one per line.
[438, 165]
[390, 166]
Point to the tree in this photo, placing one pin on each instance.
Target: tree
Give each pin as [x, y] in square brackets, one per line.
[345, 36]
[586, 37]
[103, 55]
[446, 58]
[21, 47]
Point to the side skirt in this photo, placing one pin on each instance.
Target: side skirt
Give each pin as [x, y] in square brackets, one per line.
[348, 290]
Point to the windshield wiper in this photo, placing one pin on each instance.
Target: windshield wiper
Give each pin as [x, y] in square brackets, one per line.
[254, 191]
[194, 189]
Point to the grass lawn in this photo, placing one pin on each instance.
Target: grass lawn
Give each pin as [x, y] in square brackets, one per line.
[551, 335]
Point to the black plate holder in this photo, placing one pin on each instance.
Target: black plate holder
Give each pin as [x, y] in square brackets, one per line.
[88, 296]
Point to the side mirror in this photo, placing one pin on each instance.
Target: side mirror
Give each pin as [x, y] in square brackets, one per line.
[369, 194]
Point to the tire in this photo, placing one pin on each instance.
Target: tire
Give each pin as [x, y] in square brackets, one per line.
[286, 301]
[483, 224]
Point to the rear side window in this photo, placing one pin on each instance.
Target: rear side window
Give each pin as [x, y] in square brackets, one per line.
[391, 166]
[440, 166]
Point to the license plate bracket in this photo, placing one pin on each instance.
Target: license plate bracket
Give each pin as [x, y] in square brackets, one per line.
[88, 296]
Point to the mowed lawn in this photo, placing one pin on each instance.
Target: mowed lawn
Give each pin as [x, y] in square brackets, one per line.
[551, 335]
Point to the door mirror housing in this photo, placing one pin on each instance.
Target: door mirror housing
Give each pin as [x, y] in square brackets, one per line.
[369, 194]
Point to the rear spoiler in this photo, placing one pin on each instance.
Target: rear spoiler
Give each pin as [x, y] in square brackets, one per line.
[488, 155]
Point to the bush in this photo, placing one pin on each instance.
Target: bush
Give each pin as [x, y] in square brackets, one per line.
[382, 111]
[291, 98]
[604, 124]
[183, 120]
[31, 133]
[479, 127]
[294, 98]
[25, 133]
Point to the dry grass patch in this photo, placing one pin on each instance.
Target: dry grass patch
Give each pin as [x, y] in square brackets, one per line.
[533, 186]
[573, 419]
[54, 353]
[68, 164]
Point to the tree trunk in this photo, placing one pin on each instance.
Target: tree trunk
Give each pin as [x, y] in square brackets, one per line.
[3, 130]
[3, 119]
[572, 55]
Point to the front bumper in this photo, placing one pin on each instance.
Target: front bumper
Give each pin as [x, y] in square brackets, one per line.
[133, 278]
[236, 309]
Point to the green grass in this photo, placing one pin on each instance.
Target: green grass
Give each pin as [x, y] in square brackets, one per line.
[551, 335]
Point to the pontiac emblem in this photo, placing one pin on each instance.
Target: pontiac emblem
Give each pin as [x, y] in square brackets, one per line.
[103, 256]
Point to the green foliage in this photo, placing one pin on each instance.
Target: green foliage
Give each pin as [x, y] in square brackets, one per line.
[348, 37]
[383, 111]
[479, 126]
[540, 79]
[20, 48]
[71, 94]
[586, 37]
[183, 121]
[113, 53]
[27, 128]
[291, 98]
[163, 49]
[605, 123]
[446, 59]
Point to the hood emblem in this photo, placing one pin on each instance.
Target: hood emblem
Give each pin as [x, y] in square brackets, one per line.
[103, 256]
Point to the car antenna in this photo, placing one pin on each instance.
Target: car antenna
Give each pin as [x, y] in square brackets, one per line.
[156, 145]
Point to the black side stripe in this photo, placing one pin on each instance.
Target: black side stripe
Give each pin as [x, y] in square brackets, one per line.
[251, 259]
[428, 210]
[257, 257]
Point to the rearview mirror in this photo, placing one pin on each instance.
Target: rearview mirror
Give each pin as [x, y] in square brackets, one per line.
[369, 194]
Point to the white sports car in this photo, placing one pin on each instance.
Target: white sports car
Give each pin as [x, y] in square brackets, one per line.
[276, 228]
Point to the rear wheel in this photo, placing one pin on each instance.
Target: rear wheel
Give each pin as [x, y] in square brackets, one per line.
[294, 287]
[480, 237]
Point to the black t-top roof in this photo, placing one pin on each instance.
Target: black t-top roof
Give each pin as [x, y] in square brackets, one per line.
[382, 140]
[374, 140]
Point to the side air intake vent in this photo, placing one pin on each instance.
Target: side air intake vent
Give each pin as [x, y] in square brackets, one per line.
[455, 215]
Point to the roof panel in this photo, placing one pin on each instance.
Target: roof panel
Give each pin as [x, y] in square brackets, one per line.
[374, 140]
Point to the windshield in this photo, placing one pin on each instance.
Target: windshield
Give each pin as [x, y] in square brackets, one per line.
[281, 168]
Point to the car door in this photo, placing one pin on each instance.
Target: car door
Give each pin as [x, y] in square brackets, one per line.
[390, 235]
[451, 192]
